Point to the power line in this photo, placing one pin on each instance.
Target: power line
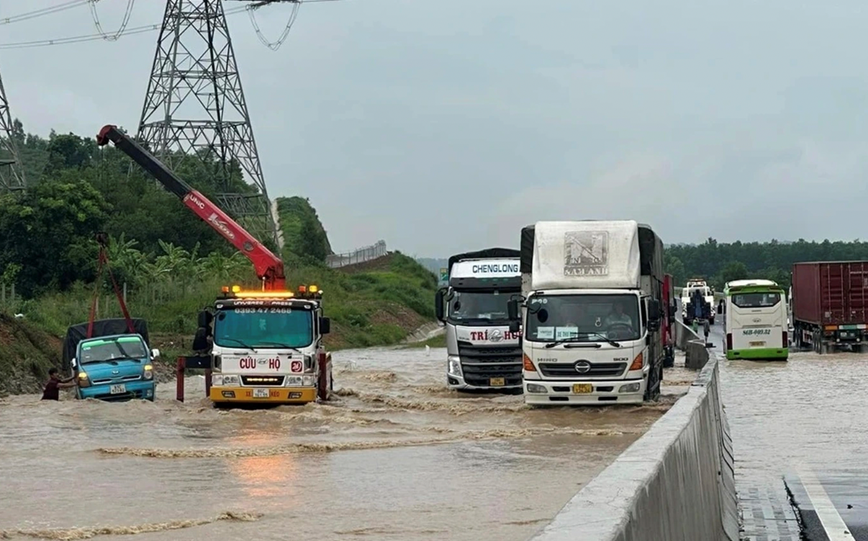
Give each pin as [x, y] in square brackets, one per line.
[45, 11]
[95, 37]
[95, 15]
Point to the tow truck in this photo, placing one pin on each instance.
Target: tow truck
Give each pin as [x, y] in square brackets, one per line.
[261, 345]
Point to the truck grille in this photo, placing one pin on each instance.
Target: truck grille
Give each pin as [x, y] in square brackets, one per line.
[480, 364]
[568, 370]
[275, 381]
[116, 380]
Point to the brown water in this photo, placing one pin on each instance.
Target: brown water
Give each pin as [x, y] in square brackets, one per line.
[395, 456]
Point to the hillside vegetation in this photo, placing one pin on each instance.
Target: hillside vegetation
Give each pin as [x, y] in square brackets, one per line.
[170, 262]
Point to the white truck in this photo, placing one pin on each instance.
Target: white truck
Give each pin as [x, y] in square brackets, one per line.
[482, 352]
[590, 313]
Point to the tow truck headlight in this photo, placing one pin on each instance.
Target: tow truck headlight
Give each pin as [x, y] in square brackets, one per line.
[221, 380]
[534, 388]
[630, 388]
[83, 380]
[454, 365]
[148, 372]
[308, 381]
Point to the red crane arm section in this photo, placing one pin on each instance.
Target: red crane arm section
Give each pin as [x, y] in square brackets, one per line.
[268, 266]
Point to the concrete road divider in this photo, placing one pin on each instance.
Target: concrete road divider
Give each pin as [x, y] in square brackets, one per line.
[676, 483]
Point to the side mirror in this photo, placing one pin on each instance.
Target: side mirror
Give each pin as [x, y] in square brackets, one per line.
[200, 340]
[512, 311]
[654, 325]
[439, 298]
[653, 310]
[205, 318]
[155, 353]
[514, 326]
[325, 325]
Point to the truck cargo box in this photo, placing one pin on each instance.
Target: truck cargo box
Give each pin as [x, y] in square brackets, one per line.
[830, 293]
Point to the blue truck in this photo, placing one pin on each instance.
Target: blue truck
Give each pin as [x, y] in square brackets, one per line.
[113, 363]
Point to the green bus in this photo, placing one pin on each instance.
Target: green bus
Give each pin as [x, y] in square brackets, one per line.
[756, 320]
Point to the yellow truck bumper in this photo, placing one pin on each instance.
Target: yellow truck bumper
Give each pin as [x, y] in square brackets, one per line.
[284, 395]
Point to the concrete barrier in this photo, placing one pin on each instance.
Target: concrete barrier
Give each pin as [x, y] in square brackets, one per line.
[692, 344]
[675, 483]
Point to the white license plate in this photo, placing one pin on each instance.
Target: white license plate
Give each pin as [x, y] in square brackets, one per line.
[260, 393]
[118, 389]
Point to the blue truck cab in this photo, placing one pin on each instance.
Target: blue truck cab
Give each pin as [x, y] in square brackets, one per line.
[111, 359]
[114, 367]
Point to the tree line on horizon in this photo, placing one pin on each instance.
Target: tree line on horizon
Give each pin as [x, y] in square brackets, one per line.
[721, 262]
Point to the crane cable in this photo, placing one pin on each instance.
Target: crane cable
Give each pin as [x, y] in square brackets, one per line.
[95, 15]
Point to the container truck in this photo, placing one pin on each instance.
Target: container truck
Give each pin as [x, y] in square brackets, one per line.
[482, 352]
[829, 305]
[590, 313]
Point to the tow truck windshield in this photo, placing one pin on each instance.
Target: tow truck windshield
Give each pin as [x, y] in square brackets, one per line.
[113, 349]
[479, 307]
[583, 318]
[264, 327]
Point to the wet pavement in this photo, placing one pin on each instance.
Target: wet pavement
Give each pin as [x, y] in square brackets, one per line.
[804, 415]
[395, 456]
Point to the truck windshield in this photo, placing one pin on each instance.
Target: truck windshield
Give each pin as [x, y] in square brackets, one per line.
[265, 327]
[109, 349]
[583, 318]
[470, 305]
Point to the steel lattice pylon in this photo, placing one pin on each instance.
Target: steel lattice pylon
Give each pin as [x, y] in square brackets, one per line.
[11, 173]
[195, 106]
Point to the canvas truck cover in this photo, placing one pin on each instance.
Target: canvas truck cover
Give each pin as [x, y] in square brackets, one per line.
[101, 327]
[586, 255]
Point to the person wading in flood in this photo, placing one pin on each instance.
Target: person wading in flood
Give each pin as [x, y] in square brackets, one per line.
[52, 388]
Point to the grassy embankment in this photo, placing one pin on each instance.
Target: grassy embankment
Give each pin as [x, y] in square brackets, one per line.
[375, 303]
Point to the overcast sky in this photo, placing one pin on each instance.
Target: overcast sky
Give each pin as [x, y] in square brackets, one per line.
[446, 126]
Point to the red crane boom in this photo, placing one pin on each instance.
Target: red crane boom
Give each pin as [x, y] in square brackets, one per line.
[269, 267]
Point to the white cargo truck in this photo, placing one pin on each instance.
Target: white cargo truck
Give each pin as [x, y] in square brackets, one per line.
[482, 352]
[590, 313]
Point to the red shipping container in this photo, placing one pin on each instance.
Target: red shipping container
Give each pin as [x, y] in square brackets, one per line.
[830, 293]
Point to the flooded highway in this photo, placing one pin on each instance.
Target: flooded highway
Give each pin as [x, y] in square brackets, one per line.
[395, 456]
[800, 417]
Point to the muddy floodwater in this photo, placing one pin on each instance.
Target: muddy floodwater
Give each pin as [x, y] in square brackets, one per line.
[395, 456]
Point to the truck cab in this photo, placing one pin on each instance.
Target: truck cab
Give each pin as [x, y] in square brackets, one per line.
[482, 352]
[115, 367]
[266, 346]
[590, 313]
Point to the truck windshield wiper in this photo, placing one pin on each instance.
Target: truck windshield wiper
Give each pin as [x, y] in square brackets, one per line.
[573, 342]
[278, 344]
[607, 339]
[237, 341]
[123, 358]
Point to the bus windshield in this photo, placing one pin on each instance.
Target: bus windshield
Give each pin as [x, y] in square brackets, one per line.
[263, 327]
[756, 299]
[583, 318]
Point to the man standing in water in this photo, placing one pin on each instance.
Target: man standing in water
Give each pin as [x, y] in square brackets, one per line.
[52, 388]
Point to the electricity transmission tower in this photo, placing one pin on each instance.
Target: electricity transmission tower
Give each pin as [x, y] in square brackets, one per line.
[11, 173]
[195, 108]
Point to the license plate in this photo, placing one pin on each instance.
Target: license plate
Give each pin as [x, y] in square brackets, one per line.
[583, 388]
[118, 389]
[757, 344]
[260, 393]
[497, 382]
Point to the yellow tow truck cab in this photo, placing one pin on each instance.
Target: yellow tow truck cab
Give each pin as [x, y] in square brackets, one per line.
[266, 346]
